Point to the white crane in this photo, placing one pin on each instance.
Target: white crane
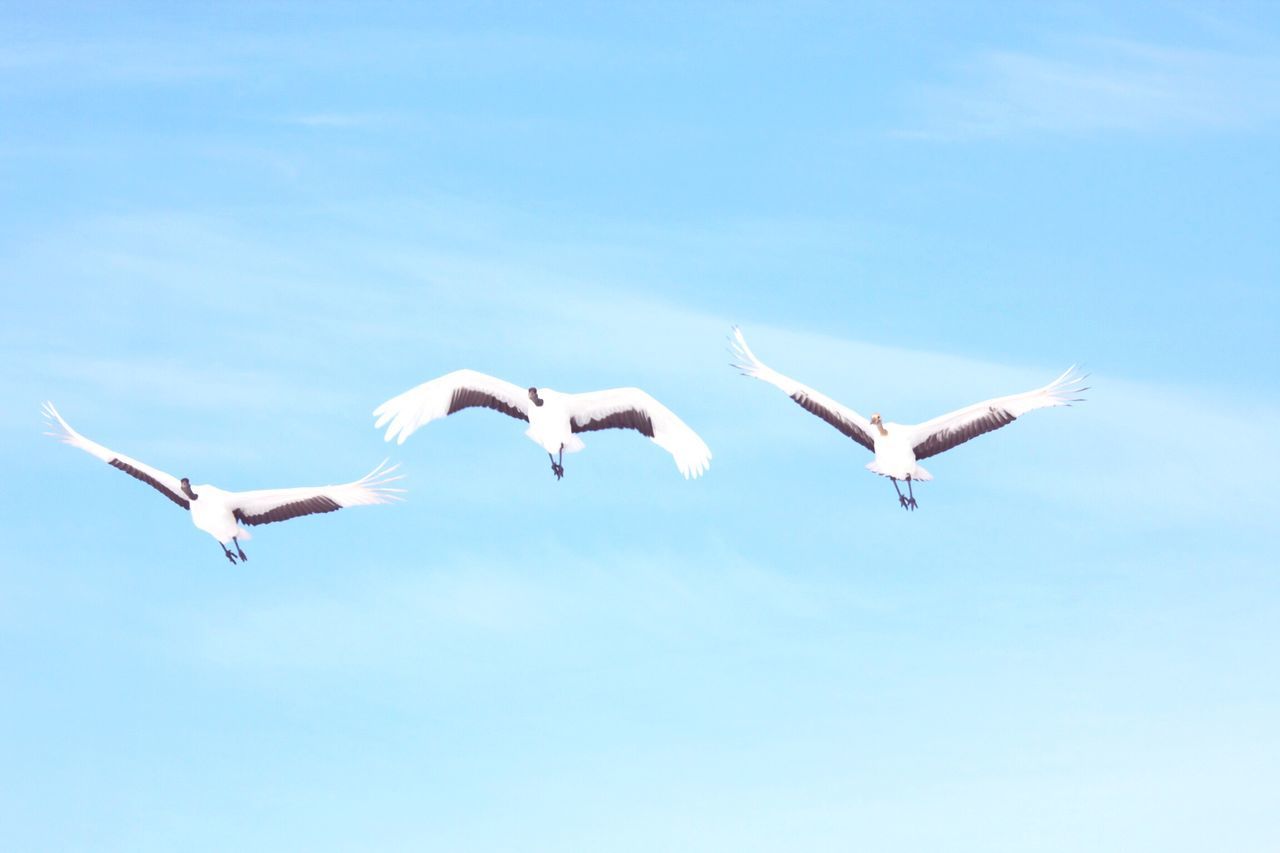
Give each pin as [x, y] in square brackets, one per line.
[899, 447]
[555, 418]
[220, 513]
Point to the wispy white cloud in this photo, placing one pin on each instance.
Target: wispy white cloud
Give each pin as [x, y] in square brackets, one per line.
[182, 54]
[192, 411]
[488, 604]
[338, 120]
[102, 62]
[1133, 448]
[1099, 85]
[182, 384]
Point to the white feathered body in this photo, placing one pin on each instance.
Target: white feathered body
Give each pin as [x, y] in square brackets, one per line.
[550, 425]
[895, 454]
[214, 513]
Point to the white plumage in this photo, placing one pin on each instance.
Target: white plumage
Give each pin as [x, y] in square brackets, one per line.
[221, 513]
[555, 418]
[899, 447]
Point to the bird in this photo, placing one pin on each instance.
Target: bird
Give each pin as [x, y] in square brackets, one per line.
[221, 513]
[900, 447]
[555, 418]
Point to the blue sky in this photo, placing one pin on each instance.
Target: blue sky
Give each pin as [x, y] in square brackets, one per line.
[228, 232]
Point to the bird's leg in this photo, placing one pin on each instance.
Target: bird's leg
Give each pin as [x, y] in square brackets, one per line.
[228, 554]
[239, 550]
[561, 460]
[911, 495]
[902, 501]
[555, 469]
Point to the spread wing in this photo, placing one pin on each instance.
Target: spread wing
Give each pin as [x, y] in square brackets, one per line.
[943, 433]
[841, 417]
[164, 483]
[453, 392]
[631, 408]
[265, 506]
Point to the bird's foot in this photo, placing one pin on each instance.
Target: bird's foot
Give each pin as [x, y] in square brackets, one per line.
[229, 556]
[911, 503]
[243, 555]
[558, 470]
[903, 502]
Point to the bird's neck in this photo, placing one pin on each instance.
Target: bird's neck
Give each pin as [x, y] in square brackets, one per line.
[883, 431]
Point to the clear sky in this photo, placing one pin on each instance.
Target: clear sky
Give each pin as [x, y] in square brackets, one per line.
[227, 232]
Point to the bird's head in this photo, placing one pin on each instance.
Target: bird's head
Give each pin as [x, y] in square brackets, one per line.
[878, 423]
[533, 395]
[186, 489]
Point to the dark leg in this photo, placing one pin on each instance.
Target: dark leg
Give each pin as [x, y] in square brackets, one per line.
[911, 496]
[555, 468]
[902, 501]
[228, 554]
[560, 464]
[239, 550]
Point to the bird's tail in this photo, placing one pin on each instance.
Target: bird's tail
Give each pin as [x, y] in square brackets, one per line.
[917, 471]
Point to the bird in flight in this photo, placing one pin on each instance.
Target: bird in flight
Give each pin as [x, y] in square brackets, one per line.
[555, 418]
[221, 513]
[900, 447]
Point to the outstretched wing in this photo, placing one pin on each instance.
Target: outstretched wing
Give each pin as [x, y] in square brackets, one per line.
[631, 408]
[453, 392]
[166, 484]
[265, 506]
[943, 433]
[841, 417]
